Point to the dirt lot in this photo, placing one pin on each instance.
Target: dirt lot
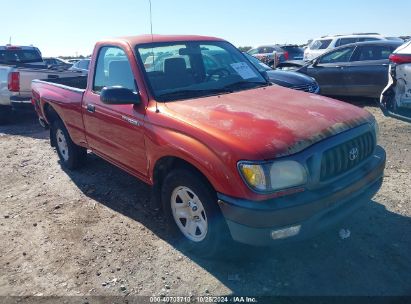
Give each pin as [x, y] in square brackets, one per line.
[90, 233]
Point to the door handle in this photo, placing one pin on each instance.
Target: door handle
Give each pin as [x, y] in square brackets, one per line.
[91, 108]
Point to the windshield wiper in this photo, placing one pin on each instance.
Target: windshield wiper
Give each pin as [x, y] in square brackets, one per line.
[182, 94]
[192, 93]
[241, 84]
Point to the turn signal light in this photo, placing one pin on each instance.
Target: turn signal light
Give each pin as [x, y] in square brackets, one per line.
[287, 56]
[14, 82]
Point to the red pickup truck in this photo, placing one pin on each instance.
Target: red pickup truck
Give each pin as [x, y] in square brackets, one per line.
[229, 155]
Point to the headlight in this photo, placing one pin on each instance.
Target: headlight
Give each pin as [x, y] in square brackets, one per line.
[287, 174]
[273, 176]
[376, 130]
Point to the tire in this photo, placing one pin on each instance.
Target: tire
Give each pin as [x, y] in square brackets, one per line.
[389, 102]
[199, 209]
[5, 115]
[71, 155]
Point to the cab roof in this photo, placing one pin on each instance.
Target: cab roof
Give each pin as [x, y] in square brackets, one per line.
[143, 39]
[355, 35]
[17, 47]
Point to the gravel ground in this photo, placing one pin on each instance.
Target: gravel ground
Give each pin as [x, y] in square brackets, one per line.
[90, 232]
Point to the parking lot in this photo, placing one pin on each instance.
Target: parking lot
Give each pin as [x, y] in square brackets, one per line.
[89, 233]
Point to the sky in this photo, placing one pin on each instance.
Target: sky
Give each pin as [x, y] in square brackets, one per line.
[71, 27]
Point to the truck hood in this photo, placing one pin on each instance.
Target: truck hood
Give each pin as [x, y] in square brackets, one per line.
[269, 122]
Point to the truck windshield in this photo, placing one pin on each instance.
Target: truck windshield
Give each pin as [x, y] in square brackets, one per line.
[183, 70]
[15, 56]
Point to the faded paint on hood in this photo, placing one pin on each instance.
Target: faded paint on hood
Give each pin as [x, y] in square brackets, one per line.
[269, 122]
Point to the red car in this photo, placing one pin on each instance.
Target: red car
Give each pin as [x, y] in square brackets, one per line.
[229, 155]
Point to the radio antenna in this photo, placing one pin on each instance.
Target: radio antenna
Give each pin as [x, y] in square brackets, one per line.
[152, 41]
[151, 22]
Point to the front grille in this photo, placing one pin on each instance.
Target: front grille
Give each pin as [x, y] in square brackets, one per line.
[346, 156]
[310, 88]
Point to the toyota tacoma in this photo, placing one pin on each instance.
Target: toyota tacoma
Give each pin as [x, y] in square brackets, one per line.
[228, 155]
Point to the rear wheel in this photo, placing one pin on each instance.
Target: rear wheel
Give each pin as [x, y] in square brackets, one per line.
[193, 214]
[71, 155]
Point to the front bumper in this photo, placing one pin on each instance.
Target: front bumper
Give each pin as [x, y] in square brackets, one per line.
[306, 213]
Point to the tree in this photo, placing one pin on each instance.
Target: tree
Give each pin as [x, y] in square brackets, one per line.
[244, 48]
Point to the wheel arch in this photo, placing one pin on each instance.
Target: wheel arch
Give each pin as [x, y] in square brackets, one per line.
[72, 122]
[50, 114]
[166, 164]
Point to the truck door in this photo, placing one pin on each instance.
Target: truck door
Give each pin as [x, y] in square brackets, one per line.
[115, 132]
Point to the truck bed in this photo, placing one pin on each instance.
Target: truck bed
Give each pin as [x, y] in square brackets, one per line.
[78, 83]
[65, 96]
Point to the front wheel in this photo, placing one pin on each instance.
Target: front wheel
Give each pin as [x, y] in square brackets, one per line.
[71, 155]
[194, 216]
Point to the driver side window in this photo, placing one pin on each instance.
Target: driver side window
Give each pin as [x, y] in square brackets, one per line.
[338, 56]
[113, 69]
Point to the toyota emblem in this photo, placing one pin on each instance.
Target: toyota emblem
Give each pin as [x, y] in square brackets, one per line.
[354, 153]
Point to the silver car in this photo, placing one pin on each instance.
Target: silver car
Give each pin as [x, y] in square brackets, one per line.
[278, 53]
[396, 98]
[81, 66]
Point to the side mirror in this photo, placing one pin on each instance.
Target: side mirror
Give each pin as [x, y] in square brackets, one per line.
[315, 62]
[119, 96]
[265, 75]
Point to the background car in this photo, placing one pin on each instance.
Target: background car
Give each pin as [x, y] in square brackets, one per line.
[359, 69]
[398, 39]
[292, 52]
[273, 54]
[57, 63]
[73, 60]
[20, 56]
[324, 44]
[396, 98]
[288, 79]
[82, 65]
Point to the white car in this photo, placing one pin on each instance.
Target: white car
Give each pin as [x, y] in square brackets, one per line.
[81, 66]
[324, 44]
[396, 98]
